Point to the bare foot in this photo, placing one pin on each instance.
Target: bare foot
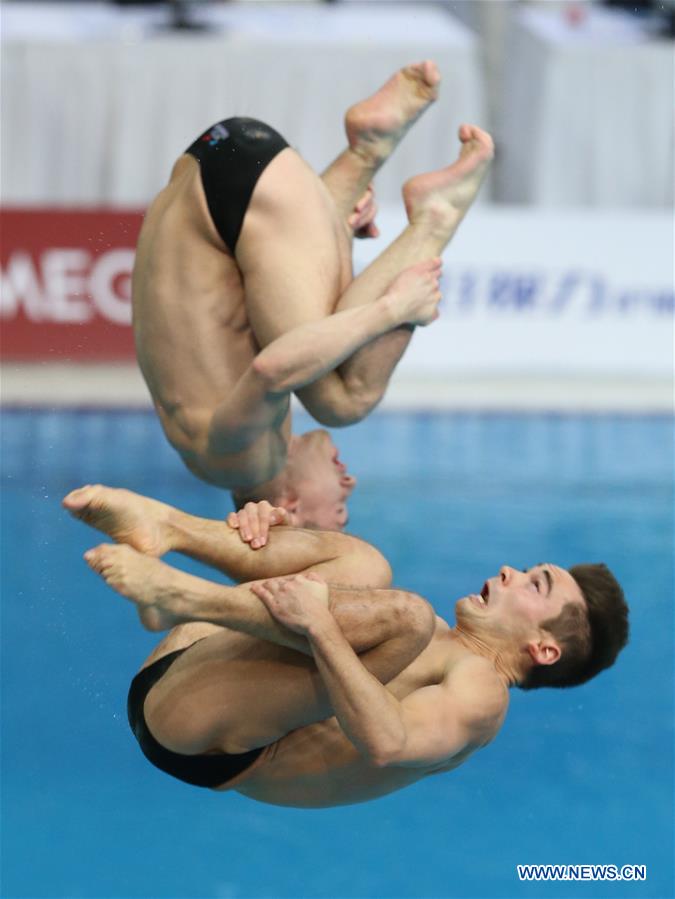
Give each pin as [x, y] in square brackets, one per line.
[443, 197]
[159, 591]
[376, 125]
[414, 295]
[125, 516]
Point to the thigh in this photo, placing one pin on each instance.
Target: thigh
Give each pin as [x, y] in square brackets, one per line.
[293, 250]
[232, 692]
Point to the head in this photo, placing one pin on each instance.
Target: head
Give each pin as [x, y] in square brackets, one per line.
[314, 485]
[318, 484]
[547, 626]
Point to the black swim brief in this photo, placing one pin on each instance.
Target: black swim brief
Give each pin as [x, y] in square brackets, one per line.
[232, 156]
[200, 770]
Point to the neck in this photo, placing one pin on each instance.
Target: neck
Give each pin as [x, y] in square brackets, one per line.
[504, 668]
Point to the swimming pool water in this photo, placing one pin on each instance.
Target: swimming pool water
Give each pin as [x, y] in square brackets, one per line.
[578, 776]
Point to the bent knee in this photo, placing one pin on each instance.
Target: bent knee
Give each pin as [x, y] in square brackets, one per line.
[373, 569]
[417, 616]
[336, 408]
[339, 416]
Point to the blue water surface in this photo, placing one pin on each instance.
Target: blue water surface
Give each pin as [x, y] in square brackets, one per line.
[576, 776]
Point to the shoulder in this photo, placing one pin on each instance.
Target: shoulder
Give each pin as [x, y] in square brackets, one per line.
[481, 697]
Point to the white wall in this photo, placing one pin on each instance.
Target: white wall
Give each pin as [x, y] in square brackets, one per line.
[537, 293]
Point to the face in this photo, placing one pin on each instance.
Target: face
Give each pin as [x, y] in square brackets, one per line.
[512, 606]
[320, 480]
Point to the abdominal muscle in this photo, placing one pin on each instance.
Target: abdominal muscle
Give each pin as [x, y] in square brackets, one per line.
[193, 338]
[317, 767]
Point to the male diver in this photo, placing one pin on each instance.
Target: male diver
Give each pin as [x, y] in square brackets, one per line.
[243, 293]
[294, 692]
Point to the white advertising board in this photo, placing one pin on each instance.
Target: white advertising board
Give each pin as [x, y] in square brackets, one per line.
[538, 293]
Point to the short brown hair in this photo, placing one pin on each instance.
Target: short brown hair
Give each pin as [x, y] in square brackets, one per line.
[590, 639]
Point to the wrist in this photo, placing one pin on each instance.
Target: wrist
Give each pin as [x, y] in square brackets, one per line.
[390, 311]
[323, 628]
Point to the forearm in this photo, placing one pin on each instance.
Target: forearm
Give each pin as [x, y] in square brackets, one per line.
[359, 383]
[236, 608]
[308, 352]
[369, 715]
[365, 618]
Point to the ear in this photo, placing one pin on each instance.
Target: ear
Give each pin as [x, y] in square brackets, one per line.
[545, 652]
[291, 503]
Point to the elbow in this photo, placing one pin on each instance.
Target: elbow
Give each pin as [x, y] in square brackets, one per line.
[385, 755]
[270, 373]
[380, 760]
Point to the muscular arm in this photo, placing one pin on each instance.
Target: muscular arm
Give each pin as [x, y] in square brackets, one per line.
[297, 358]
[428, 727]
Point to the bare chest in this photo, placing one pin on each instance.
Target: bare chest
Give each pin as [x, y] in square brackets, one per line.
[318, 767]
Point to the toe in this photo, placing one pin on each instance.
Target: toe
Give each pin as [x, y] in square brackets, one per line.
[94, 557]
[77, 498]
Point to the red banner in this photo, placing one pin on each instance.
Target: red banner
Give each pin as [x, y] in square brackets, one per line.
[66, 284]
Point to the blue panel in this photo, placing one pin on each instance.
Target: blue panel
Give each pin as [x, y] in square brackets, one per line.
[577, 776]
